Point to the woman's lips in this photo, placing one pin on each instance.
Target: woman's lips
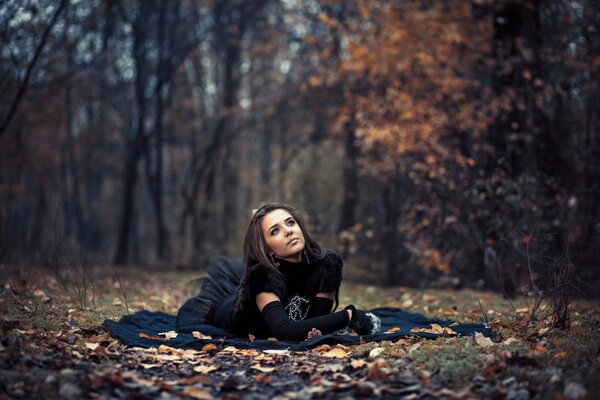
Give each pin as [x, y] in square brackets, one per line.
[293, 241]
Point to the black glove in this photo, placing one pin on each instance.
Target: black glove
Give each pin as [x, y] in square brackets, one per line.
[363, 323]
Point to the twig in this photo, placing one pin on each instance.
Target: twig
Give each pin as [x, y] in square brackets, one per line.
[487, 322]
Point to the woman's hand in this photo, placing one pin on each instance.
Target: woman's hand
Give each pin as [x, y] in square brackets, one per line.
[314, 332]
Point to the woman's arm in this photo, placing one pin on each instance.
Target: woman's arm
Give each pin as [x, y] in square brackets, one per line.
[283, 328]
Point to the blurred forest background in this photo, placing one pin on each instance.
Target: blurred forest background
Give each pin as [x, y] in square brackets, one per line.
[450, 143]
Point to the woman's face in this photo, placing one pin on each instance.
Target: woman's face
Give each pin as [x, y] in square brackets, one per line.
[283, 235]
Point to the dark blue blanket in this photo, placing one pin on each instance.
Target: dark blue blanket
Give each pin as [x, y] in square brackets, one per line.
[148, 323]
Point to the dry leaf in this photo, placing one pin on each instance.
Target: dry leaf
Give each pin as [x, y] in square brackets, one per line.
[209, 346]
[279, 352]
[449, 331]
[169, 335]
[91, 346]
[377, 374]
[196, 393]
[262, 369]
[511, 340]
[166, 349]
[437, 328]
[200, 335]
[392, 330]
[263, 379]
[336, 352]
[358, 363]
[205, 369]
[146, 336]
[482, 340]
[454, 323]
[375, 352]
[324, 347]
[539, 349]
[149, 366]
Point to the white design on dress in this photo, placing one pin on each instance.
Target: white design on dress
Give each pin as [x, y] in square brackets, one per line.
[297, 308]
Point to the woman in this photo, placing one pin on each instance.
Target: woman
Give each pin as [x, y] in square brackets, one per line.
[287, 289]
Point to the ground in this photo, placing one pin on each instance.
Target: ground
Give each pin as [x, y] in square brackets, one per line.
[52, 345]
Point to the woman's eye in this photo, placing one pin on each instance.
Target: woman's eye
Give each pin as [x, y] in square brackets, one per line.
[291, 222]
[274, 232]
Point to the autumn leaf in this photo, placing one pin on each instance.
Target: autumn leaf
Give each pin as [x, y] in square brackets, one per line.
[200, 335]
[377, 374]
[149, 366]
[392, 330]
[205, 369]
[481, 340]
[263, 378]
[358, 363]
[169, 335]
[209, 346]
[278, 352]
[336, 352]
[262, 369]
[196, 393]
[146, 336]
[166, 349]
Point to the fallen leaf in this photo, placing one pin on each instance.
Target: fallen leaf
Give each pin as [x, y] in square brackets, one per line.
[449, 331]
[262, 369]
[377, 374]
[192, 380]
[169, 335]
[149, 366]
[39, 293]
[392, 330]
[481, 340]
[196, 393]
[358, 363]
[166, 349]
[437, 328]
[407, 303]
[91, 346]
[454, 323]
[336, 352]
[209, 346]
[263, 378]
[511, 340]
[205, 369]
[375, 352]
[146, 336]
[324, 347]
[559, 355]
[539, 349]
[279, 352]
[200, 335]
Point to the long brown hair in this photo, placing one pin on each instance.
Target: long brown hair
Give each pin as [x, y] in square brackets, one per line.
[256, 250]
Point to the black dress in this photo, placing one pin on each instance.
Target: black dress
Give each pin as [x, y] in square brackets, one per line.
[296, 284]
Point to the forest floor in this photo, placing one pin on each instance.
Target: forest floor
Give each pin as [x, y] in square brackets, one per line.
[52, 345]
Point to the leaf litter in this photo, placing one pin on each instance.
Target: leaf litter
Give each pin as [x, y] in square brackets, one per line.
[62, 352]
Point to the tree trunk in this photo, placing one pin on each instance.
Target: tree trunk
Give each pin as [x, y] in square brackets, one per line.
[134, 147]
[350, 185]
[391, 203]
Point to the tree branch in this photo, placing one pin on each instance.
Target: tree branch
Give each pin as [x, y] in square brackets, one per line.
[34, 60]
